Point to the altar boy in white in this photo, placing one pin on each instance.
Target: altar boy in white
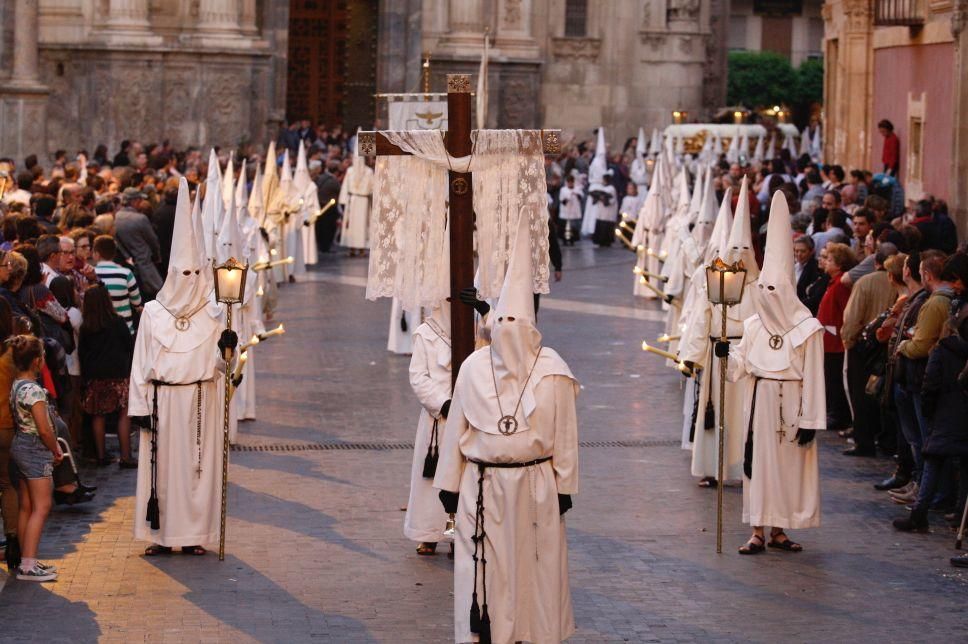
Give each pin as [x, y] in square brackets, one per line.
[508, 467]
[781, 360]
[176, 394]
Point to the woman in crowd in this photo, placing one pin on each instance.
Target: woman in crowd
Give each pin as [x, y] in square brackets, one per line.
[840, 258]
[35, 452]
[106, 348]
[13, 269]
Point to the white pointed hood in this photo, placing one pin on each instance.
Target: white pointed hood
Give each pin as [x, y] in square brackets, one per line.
[695, 203]
[744, 145]
[213, 205]
[775, 295]
[599, 164]
[301, 178]
[228, 181]
[740, 244]
[229, 243]
[285, 172]
[640, 144]
[758, 150]
[256, 202]
[270, 181]
[732, 153]
[717, 146]
[243, 216]
[805, 141]
[703, 229]
[719, 239]
[515, 360]
[816, 147]
[186, 287]
[655, 145]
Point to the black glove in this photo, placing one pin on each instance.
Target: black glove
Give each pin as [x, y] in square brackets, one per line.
[469, 297]
[805, 436]
[143, 422]
[564, 503]
[228, 342]
[238, 381]
[669, 297]
[721, 348]
[450, 500]
[445, 409]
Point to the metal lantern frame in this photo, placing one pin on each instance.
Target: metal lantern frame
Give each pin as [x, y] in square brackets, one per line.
[725, 284]
[222, 272]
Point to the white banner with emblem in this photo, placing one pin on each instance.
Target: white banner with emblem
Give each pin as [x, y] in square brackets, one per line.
[417, 115]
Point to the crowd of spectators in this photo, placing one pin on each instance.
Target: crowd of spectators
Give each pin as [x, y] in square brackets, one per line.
[84, 244]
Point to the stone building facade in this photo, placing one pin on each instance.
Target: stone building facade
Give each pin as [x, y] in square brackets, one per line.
[906, 62]
[76, 73]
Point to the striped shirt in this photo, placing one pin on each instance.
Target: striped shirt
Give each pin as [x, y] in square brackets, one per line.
[123, 288]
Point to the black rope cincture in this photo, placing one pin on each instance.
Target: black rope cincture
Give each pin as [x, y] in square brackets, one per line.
[433, 453]
[153, 514]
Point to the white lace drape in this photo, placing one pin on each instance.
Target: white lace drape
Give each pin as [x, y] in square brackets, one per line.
[409, 256]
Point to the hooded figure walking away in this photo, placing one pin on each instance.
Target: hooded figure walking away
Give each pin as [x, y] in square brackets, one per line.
[780, 362]
[508, 467]
[430, 379]
[176, 394]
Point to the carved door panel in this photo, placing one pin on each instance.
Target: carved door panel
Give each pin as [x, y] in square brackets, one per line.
[332, 60]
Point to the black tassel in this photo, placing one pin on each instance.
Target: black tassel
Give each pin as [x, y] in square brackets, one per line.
[403, 322]
[485, 634]
[430, 464]
[748, 455]
[709, 420]
[476, 616]
[154, 514]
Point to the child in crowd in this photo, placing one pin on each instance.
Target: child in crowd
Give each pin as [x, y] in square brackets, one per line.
[35, 451]
[105, 351]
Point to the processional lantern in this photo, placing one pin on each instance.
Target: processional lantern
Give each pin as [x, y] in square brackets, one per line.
[724, 288]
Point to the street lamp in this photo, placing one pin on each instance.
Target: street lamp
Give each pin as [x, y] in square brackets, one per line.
[724, 287]
[229, 290]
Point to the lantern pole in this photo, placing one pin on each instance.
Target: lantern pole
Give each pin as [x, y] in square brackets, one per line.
[225, 441]
[722, 422]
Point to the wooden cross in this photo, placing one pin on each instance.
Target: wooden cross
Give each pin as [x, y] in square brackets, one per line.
[457, 141]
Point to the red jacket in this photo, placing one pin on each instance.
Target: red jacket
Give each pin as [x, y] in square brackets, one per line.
[891, 156]
[831, 313]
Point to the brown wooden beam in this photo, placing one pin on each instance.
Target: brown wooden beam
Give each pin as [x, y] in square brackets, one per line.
[374, 143]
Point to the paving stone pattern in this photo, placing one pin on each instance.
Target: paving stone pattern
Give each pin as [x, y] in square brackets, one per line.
[315, 545]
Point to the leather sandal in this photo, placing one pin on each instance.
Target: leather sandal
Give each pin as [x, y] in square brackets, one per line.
[786, 544]
[426, 549]
[196, 551]
[751, 547]
[154, 550]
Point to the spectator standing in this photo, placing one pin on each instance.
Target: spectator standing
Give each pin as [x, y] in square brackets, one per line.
[891, 152]
[43, 207]
[831, 315]
[63, 289]
[163, 221]
[806, 269]
[871, 295]
[105, 352]
[35, 452]
[327, 187]
[117, 279]
[136, 238]
[49, 250]
[25, 180]
[9, 505]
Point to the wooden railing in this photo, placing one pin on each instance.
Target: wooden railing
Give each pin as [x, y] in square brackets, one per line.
[905, 13]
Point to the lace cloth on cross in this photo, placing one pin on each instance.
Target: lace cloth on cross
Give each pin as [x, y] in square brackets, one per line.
[409, 256]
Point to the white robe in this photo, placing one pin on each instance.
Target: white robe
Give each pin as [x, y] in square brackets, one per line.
[569, 200]
[355, 196]
[784, 491]
[527, 555]
[189, 501]
[398, 340]
[696, 346]
[430, 380]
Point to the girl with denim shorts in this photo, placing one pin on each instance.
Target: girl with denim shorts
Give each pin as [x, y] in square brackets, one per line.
[35, 452]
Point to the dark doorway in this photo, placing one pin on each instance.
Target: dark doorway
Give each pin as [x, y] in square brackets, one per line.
[332, 61]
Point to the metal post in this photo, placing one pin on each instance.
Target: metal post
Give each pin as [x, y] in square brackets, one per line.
[722, 437]
[225, 443]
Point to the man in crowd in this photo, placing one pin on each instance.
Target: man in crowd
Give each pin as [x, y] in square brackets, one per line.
[137, 240]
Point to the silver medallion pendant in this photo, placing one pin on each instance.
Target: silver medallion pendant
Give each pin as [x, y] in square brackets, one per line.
[507, 425]
[776, 341]
[182, 324]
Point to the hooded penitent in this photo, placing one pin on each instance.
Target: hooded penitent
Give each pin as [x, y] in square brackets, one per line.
[740, 244]
[638, 172]
[307, 199]
[599, 165]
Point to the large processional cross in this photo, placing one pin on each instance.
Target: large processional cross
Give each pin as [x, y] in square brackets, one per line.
[457, 141]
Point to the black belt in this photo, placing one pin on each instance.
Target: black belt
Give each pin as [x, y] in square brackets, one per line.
[153, 513]
[536, 461]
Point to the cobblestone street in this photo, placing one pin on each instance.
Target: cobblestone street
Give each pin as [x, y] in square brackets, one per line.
[315, 550]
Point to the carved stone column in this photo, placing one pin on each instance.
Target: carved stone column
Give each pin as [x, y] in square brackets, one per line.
[25, 71]
[247, 21]
[23, 99]
[466, 23]
[219, 17]
[959, 140]
[128, 15]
